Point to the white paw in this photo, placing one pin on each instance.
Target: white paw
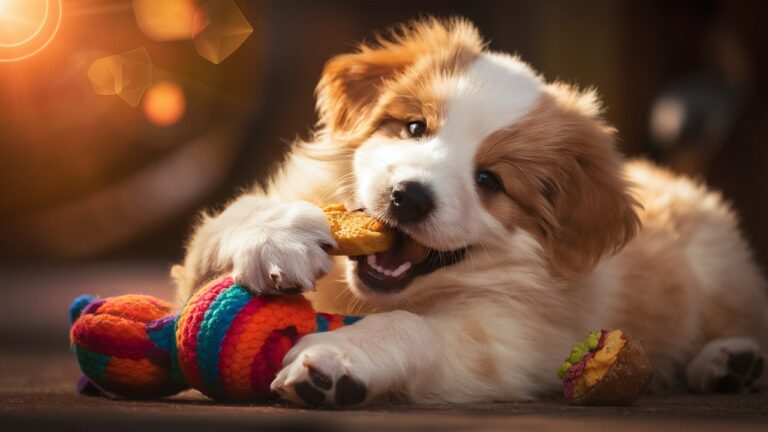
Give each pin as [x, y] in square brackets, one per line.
[728, 365]
[324, 370]
[273, 247]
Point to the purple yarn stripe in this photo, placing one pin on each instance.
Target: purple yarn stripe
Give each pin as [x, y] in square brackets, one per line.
[93, 307]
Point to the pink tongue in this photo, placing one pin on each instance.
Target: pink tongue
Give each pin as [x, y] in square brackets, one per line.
[391, 259]
[402, 251]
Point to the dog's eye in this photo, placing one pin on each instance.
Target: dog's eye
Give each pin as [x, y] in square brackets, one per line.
[416, 129]
[487, 180]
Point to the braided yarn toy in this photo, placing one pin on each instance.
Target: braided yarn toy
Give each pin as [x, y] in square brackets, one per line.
[226, 342]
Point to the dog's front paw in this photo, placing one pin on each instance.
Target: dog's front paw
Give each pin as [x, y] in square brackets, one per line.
[277, 247]
[323, 370]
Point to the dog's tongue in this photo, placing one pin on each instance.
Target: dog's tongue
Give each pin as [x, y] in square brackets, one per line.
[404, 250]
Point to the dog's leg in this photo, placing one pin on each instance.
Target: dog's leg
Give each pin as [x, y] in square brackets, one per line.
[728, 365]
[271, 241]
[267, 245]
[361, 363]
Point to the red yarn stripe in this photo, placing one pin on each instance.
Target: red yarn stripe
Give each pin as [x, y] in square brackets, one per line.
[269, 360]
[230, 343]
[193, 316]
[335, 321]
[112, 336]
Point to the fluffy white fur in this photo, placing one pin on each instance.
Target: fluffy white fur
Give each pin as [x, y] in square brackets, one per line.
[496, 325]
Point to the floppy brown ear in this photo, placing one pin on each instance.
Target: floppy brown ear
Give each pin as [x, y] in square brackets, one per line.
[590, 206]
[352, 83]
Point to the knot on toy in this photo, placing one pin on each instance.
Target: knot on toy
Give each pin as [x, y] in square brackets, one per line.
[225, 342]
[77, 306]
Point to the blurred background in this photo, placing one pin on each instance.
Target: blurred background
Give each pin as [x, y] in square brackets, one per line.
[97, 195]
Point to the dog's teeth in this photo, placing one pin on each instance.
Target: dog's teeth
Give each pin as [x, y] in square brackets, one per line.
[402, 269]
[373, 263]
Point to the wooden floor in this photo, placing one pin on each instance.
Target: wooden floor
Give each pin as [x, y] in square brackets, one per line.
[38, 375]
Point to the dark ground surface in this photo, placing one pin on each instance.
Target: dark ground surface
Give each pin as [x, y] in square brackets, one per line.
[37, 376]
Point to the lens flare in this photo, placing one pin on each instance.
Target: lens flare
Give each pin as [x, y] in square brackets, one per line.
[165, 20]
[220, 29]
[164, 103]
[27, 27]
[126, 75]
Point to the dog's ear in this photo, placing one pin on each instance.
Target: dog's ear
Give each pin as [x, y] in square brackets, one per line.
[590, 207]
[351, 84]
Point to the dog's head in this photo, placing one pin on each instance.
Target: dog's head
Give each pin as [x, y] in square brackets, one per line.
[473, 158]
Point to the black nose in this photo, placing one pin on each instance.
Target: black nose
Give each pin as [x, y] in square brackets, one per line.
[411, 201]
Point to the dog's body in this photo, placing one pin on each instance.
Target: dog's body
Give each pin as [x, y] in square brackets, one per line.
[521, 231]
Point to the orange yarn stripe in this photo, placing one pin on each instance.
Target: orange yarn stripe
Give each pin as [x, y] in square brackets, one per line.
[136, 307]
[135, 373]
[241, 348]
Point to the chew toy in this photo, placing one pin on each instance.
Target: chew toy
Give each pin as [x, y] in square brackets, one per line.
[608, 368]
[225, 341]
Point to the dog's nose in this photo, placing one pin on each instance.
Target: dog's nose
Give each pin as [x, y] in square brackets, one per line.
[411, 201]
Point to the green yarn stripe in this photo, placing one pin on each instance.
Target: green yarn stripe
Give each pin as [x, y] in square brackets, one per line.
[93, 365]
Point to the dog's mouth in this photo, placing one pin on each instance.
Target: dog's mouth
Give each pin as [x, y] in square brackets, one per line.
[393, 270]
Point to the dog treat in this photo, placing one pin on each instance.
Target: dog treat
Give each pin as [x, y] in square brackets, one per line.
[356, 232]
[608, 368]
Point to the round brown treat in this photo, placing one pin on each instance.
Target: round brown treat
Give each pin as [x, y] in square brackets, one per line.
[626, 379]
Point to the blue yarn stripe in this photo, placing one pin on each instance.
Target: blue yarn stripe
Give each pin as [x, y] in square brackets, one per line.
[349, 320]
[163, 336]
[93, 365]
[77, 306]
[173, 352]
[322, 323]
[213, 329]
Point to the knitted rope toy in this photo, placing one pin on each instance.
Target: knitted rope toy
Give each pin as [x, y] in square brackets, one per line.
[225, 342]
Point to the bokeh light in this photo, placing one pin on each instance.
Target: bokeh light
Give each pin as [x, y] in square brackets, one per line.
[165, 103]
[126, 75]
[27, 27]
[165, 20]
[220, 29]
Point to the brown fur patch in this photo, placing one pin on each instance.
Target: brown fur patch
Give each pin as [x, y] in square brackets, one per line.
[484, 365]
[388, 83]
[475, 331]
[562, 181]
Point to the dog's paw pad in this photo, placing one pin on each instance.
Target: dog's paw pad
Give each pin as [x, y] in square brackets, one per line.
[321, 390]
[741, 363]
[349, 392]
[744, 368]
[321, 376]
[309, 394]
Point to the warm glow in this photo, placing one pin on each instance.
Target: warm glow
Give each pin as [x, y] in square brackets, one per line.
[164, 20]
[164, 103]
[27, 26]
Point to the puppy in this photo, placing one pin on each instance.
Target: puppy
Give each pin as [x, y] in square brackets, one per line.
[520, 230]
